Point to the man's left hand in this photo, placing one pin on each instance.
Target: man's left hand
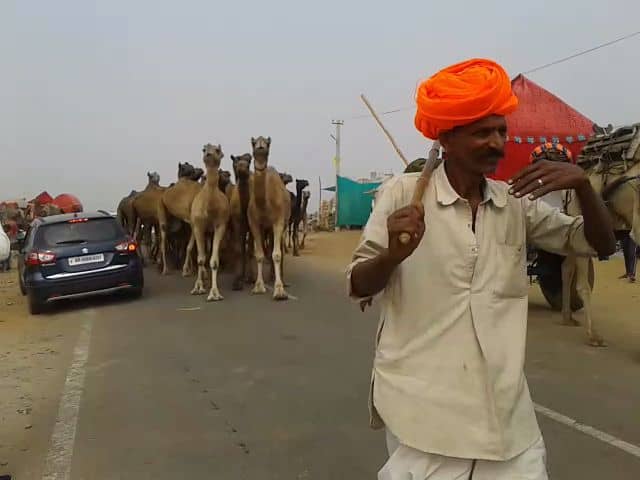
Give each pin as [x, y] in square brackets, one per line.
[546, 176]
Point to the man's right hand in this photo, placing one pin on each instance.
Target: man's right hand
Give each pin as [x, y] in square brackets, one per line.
[409, 220]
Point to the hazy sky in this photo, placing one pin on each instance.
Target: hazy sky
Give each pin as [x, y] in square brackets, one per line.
[94, 94]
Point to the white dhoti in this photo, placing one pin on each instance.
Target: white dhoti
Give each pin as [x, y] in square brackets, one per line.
[406, 463]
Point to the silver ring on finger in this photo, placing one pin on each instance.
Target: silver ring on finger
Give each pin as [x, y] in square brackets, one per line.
[540, 182]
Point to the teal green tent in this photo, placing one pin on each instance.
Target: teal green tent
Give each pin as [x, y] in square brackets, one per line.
[354, 202]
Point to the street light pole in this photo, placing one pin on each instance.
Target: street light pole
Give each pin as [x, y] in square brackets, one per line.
[336, 161]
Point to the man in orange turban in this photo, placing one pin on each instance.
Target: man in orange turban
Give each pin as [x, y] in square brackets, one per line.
[448, 379]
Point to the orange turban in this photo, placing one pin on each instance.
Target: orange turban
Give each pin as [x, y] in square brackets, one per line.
[462, 94]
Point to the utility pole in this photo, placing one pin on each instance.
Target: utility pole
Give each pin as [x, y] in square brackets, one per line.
[337, 160]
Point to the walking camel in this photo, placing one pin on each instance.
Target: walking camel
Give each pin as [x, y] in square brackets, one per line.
[239, 202]
[125, 213]
[175, 203]
[209, 214]
[144, 207]
[268, 213]
[306, 195]
[296, 216]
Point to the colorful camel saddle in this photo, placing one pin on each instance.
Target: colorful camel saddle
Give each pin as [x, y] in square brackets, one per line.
[612, 153]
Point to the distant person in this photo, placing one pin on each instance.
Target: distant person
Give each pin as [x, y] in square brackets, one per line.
[630, 252]
[448, 380]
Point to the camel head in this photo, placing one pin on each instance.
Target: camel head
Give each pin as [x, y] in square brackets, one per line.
[241, 165]
[261, 147]
[186, 170]
[224, 179]
[301, 184]
[212, 155]
[197, 174]
[286, 178]
[154, 178]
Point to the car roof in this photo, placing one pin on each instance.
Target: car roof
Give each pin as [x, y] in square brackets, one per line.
[65, 217]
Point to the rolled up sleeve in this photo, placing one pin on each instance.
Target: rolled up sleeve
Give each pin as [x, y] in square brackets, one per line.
[375, 236]
[551, 230]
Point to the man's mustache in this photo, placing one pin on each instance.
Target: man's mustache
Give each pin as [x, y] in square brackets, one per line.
[494, 153]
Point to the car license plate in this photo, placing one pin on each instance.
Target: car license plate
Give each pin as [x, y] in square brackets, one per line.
[73, 261]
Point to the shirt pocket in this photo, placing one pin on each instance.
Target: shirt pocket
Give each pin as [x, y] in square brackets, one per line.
[511, 279]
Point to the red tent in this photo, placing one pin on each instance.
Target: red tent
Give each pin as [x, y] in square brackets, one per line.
[43, 199]
[68, 203]
[540, 117]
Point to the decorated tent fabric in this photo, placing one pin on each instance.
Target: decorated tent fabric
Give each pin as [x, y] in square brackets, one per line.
[68, 203]
[43, 199]
[541, 117]
[354, 204]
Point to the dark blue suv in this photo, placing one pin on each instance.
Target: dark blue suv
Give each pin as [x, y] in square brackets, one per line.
[77, 255]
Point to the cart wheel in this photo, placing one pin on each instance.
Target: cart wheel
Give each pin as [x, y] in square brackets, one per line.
[551, 283]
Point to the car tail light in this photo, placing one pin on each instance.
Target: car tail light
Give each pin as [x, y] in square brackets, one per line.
[40, 258]
[78, 220]
[128, 247]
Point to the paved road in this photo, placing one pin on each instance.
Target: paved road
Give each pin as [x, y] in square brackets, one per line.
[172, 387]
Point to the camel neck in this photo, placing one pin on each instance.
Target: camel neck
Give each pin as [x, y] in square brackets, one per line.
[213, 177]
[305, 203]
[298, 198]
[260, 188]
[243, 191]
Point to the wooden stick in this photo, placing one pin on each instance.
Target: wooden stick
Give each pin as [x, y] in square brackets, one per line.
[421, 185]
[386, 132]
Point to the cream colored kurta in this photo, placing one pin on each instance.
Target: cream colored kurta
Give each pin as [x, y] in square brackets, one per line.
[448, 372]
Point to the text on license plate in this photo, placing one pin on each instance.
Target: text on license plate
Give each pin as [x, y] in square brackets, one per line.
[86, 259]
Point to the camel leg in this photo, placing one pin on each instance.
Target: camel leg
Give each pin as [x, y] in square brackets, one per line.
[136, 230]
[258, 251]
[250, 260]
[162, 221]
[284, 282]
[187, 269]
[568, 273]
[154, 243]
[294, 236]
[214, 294]
[584, 290]
[239, 252]
[304, 232]
[279, 293]
[287, 242]
[199, 234]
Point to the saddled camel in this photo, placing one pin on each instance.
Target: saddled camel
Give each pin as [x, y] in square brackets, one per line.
[621, 193]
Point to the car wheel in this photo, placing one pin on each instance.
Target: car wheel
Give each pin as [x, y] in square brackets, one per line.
[36, 306]
[136, 293]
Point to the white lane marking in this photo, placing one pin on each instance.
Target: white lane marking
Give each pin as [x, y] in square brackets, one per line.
[592, 432]
[60, 454]
[188, 309]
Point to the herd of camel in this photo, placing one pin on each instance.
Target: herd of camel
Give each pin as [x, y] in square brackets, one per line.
[227, 223]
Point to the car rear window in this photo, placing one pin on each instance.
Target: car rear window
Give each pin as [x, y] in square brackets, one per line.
[68, 233]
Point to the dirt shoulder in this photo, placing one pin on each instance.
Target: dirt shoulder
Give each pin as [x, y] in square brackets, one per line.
[34, 355]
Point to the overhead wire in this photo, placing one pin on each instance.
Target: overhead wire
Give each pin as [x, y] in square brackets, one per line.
[532, 70]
